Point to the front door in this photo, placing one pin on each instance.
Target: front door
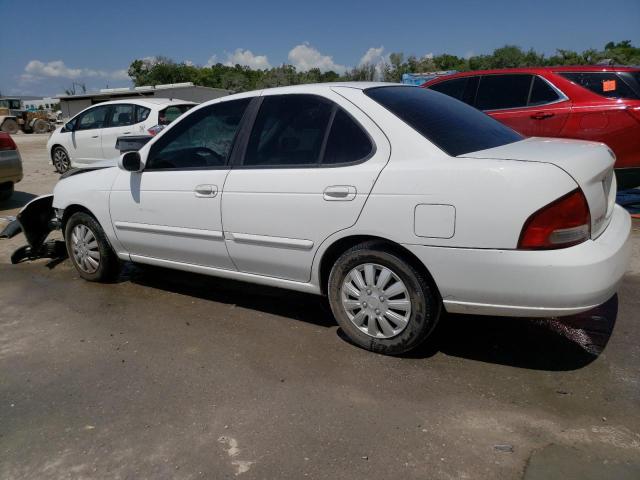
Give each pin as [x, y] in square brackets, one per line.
[86, 139]
[309, 165]
[171, 210]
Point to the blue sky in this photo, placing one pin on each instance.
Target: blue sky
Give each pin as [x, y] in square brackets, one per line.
[95, 41]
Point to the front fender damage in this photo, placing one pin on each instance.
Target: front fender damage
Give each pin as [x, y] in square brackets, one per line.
[37, 219]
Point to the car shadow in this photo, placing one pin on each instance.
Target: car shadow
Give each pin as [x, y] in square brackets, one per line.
[286, 303]
[17, 200]
[550, 344]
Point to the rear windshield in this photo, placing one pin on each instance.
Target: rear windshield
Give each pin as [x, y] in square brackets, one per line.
[453, 126]
[169, 114]
[608, 84]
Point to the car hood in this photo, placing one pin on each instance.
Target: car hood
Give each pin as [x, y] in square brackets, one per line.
[94, 166]
[590, 164]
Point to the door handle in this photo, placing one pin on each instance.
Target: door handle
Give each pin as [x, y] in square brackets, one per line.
[339, 193]
[126, 133]
[94, 136]
[207, 191]
[542, 115]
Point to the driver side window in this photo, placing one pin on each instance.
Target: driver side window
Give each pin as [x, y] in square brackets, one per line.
[201, 140]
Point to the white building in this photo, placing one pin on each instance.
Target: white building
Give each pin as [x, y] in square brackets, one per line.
[46, 103]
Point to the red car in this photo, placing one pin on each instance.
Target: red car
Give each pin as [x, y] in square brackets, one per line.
[586, 102]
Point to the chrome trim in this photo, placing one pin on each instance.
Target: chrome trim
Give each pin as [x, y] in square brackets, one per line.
[166, 230]
[232, 274]
[267, 241]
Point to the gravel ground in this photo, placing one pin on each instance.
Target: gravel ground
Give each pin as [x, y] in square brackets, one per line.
[172, 375]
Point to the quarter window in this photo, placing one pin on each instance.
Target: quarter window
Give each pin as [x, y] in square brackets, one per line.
[121, 115]
[142, 113]
[503, 91]
[542, 93]
[94, 118]
[202, 140]
[289, 130]
[347, 142]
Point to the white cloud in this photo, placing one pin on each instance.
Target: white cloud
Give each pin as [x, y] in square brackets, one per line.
[35, 70]
[372, 56]
[304, 57]
[246, 58]
[213, 59]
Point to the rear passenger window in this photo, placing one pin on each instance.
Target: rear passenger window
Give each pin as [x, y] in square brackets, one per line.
[606, 84]
[460, 88]
[121, 115]
[347, 142]
[542, 93]
[503, 91]
[289, 130]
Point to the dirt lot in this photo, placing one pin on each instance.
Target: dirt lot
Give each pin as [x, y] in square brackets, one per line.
[169, 375]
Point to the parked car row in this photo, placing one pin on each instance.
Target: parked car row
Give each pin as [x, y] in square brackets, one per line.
[396, 202]
[91, 136]
[589, 103]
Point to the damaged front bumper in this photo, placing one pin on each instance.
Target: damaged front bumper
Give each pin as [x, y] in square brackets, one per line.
[37, 219]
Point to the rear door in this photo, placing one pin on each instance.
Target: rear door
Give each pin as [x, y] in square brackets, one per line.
[307, 168]
[504, 97]
[120, 123]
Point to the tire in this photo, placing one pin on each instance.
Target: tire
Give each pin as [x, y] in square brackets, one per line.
[10, 126]
[6, 190]
[40, 126]
[89, 249]
[375, 325]
[60, 159]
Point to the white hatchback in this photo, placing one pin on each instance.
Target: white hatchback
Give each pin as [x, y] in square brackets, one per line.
[397, 202]
[91, 135]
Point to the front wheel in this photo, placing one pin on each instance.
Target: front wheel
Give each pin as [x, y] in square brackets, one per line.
[60, 159]
[6, 190]
[89, 249]
[10, 126]
[381, 301]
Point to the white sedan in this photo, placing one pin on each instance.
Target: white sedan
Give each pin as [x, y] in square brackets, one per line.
[397, 202]
[91, 135]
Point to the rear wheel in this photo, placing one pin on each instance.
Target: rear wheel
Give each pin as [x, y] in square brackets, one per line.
[6, 190]
[381, 302]
[89, 249]
[60, 159]
[10, 126]
[40, 126]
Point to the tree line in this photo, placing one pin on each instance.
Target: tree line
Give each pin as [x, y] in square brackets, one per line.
[162, 70]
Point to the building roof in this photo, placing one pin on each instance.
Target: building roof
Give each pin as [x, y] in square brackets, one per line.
[143, 91]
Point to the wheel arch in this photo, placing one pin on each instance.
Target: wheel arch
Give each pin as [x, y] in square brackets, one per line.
[341, 245]
[75, 208]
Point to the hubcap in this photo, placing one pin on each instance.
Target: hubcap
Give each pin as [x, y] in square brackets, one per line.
[85, 249]
[376, 300]
[60, 160]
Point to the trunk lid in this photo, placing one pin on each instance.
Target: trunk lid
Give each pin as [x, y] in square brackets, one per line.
[590, 164]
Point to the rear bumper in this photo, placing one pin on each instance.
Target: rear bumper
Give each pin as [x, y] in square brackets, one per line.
[628, 177]
[532, 283]
[10, 166]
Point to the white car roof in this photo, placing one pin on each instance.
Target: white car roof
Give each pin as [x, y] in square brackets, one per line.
[150, 102]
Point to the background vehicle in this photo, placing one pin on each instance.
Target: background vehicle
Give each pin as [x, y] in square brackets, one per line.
[10, 165]
[14, 118]
[394, 201]
[91, 135]
[586, 102]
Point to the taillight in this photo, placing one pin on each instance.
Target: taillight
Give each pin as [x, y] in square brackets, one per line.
[156, 129]
[7, 143]
[562, 223]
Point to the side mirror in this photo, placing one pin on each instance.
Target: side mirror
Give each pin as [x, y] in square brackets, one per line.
[130, 162]
[68, 127]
